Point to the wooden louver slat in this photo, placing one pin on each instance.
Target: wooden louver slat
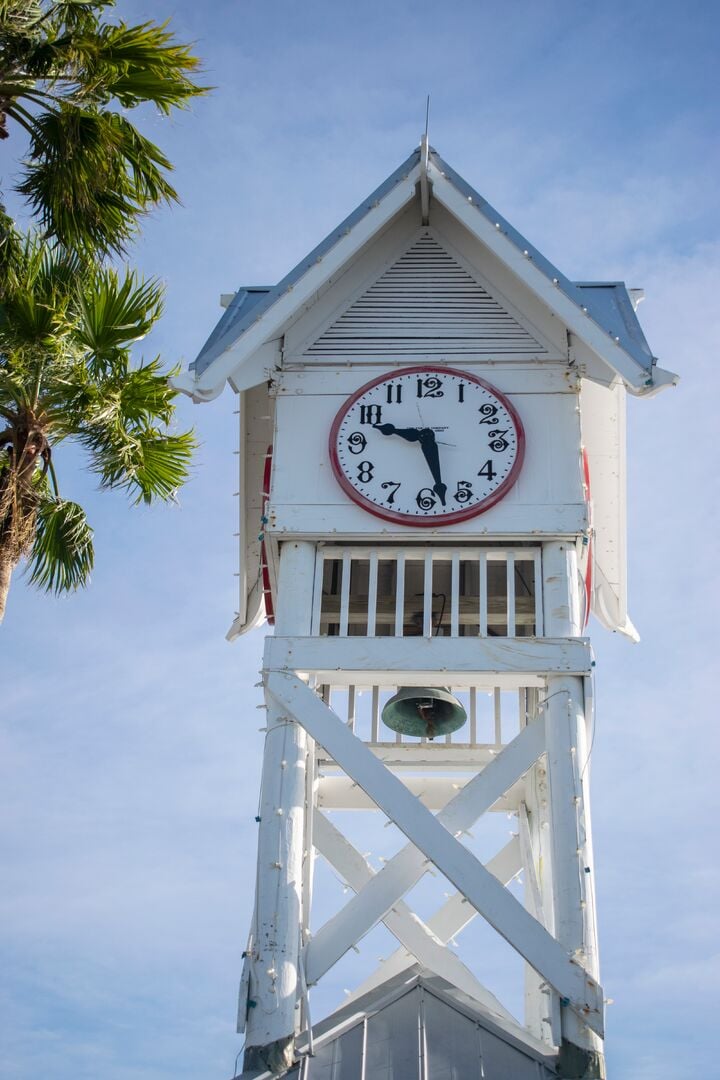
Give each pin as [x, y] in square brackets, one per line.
[426, 303]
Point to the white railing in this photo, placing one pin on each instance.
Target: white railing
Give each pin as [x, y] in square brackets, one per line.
[428, 591]
[494, 717]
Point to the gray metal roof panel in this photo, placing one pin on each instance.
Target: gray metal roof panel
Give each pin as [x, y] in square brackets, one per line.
[626, 330]
[335, 1028]
[243, 301]
[229, 329]
[613, 309]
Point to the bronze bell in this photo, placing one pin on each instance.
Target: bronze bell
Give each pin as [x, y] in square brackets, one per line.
[424, 711]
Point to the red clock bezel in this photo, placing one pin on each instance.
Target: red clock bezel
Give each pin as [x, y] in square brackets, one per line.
[454, 516]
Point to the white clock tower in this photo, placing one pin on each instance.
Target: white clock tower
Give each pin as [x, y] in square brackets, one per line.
[432, 501]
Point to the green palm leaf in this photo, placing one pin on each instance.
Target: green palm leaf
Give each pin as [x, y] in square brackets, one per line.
[67, 78]
[62, 554]
[115, 312]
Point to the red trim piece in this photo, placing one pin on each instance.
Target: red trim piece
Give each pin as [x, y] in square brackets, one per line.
[454, 516]
[267, 591]
[589, 568]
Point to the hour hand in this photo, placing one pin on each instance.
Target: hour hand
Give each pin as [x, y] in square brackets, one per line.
[409, 434]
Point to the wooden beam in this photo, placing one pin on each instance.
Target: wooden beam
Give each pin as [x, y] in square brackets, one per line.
[513, 662]
[438, 756]
[533, 887]
[407, 867]
[342, 793]
[440, 847]
[409, 930]
[450, 919]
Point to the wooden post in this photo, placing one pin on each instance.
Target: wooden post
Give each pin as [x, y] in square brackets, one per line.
[275, 983]
[542, 1003]
[581, 1053]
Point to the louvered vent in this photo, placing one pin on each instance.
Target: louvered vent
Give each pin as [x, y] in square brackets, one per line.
[426, 304]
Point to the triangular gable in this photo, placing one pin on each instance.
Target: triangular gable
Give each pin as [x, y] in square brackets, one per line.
[426, 304]
[458, 1037]
[234, 351]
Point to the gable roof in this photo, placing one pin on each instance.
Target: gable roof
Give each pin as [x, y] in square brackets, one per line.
[457, 1033]
[600, 313]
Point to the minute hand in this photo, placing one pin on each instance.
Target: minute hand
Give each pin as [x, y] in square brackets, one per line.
[428, 445]
[429, 448]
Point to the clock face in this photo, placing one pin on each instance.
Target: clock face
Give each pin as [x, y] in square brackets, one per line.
[427, 446]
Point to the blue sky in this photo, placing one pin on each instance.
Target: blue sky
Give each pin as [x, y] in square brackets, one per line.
[130, 744]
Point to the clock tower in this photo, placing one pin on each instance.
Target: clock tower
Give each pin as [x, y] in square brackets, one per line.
[432, 502]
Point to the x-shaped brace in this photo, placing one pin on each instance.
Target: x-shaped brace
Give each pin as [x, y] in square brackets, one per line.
[433, 838]
[448, 921]
[410, 930]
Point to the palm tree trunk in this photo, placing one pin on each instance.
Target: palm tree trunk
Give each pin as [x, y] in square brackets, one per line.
[6, 568]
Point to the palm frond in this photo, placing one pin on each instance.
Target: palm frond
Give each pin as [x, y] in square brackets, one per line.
[62, 554]
[79, 181]
[143, 460]
[114, 312]
[162, 465]
[145, 163]
[64, 77]
[39, 283]
[136, 64]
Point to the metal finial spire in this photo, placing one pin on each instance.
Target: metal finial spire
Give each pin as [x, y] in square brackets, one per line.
[424, 182]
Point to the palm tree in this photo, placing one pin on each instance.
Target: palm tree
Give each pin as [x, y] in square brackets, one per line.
[66, 331]
[67, 79]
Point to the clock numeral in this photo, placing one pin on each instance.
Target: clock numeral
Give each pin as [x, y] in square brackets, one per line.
[425, 498]
[430, 387]
[390, 484]
[461, 392]
[371, 414]
[464, 492]
[488, 412]
[365, 471]
[498, 441]
[487, 470]
[356, 442]
[394, 394]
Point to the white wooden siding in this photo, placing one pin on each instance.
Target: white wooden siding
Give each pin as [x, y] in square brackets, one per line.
[547, 499]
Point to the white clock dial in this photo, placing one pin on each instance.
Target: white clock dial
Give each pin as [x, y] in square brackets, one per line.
[427, 446]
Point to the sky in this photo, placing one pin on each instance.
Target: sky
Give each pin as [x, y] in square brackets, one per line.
[130, 743]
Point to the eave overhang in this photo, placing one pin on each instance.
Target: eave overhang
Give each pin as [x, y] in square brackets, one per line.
[220, 358]
[240, 349]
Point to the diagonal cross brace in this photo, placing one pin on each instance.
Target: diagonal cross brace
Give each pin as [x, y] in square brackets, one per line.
[449, 919]
[364, 911]
[431, 836]
[409, 930]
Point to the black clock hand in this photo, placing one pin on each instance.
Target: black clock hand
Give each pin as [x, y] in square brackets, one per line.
[410, 434]
[428, 445]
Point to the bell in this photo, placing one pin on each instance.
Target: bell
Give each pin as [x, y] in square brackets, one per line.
[424, 711]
